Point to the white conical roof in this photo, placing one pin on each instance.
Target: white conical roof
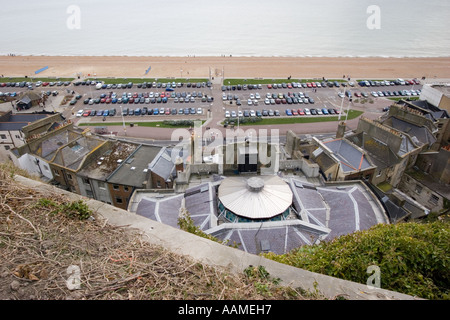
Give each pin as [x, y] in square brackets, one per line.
[261, 197]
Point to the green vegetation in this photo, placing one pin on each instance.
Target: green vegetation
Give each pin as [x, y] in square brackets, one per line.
[385, 187]
[405, 98]
[412, 257]
[73, 210]
[186, 223]
[233, 82]
[294, 119]
[141, 80]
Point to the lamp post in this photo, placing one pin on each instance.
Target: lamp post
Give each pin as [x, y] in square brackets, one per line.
[123, 121]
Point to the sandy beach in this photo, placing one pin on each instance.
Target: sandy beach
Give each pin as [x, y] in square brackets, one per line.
[229, 67]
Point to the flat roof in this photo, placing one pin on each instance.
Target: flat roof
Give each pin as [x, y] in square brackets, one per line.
[106, 163]
[133, 171]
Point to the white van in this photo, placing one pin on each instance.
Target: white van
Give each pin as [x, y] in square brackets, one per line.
[98, 86]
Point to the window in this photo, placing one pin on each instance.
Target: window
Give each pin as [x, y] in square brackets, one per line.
[116, 187]
[434, 199]
[17, 136]
[7, 147]
[3, 136]
[126, 189]
[101, 185]
[119, 200]
[69, 176]
[56, 172]
[86, 180]
[418, 188]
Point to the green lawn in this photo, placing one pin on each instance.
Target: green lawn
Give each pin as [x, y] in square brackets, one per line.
[141, 80]
[301, 119]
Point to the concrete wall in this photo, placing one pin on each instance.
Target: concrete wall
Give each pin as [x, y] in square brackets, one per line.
[35, 165]
[215, 254]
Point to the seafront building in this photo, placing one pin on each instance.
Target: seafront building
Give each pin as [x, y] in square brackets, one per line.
[258, 195]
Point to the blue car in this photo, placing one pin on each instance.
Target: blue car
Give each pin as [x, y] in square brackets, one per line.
[106, 113]
[325, 111]
[156, 111]
[288, 112]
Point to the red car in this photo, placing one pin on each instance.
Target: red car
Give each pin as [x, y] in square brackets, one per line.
[309, 85]
[162, 95]
[45, 84]
[294, 112]
[357, 94]
[269, 86]
[86, 113]
[301, 112]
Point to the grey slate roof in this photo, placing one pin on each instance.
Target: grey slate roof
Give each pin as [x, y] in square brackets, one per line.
[350, 157]
[323, 213]
[16, 122]
[422, 134]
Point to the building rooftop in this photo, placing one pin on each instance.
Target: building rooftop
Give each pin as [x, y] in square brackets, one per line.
[48, 147]
[72, 155]
[262, 197]
[133, 170]
[350, 157]
[420, 134]
[106, 163]
[15, 122]
[317, 213]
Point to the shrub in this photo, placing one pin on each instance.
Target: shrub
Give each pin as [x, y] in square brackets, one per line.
[412, 257]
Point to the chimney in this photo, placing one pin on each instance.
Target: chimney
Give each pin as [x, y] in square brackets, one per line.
[179, 165]
[341, 130]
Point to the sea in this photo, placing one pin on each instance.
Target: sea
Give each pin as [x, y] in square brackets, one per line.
[260, 28]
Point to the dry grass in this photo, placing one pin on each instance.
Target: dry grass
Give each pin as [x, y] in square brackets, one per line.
[41, 236]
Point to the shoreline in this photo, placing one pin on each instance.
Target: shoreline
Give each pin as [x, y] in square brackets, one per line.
[225, 66]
